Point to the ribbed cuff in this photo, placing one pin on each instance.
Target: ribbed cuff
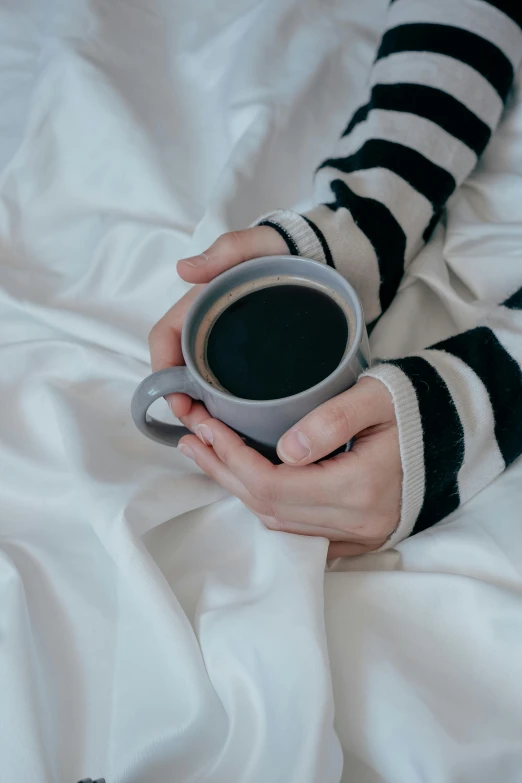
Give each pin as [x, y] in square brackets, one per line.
[297, 231]
[410, 443]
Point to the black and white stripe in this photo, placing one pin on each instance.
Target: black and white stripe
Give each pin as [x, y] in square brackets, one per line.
[443, 457]
[483, 460]
[293, 247]
[415, 132]
[438, 71]
[468, 394]
[514, 302]
[460, 45]
[389, 242]
[429, 179]
[441, 75]
[440, 79]
[482, 19]
[482, 351]
[411, 445]
[431, 103]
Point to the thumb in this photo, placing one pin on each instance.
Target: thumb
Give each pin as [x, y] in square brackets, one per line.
[337, 421]
[229, 250]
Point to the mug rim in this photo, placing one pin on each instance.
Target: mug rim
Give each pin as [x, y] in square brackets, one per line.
[353, 301]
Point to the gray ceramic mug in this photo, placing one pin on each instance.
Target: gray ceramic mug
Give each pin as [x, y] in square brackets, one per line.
[260, 422]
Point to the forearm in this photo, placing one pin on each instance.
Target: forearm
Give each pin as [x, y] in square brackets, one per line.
[437, 89]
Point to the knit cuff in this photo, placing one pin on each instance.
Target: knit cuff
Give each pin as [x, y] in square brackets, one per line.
[300, 234]
[410, 443]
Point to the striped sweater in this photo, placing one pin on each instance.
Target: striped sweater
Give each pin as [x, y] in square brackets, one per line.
[441, 77]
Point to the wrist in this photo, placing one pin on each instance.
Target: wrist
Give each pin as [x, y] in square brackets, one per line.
[300, 235]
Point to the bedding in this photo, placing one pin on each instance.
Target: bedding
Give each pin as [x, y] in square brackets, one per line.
[151, 629]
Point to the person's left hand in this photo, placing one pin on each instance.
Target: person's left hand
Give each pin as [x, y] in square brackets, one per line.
[353, 499]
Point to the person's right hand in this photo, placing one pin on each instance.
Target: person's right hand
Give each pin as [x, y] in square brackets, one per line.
[227, 251]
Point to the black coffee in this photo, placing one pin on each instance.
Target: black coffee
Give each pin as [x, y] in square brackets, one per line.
[277, 341]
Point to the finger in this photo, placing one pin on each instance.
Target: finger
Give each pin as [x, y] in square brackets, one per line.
[334, 423]
[304, 520]
[271, 484]
[284, 526]
[205, 458]
[165, 347]
[307, 521]
[165, 336]
[290, 519]
[229, 250]
[197, 414]
[313, 521]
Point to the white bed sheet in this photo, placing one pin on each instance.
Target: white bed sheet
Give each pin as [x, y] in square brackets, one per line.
[151, 630]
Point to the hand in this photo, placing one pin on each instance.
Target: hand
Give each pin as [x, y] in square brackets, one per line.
[227, 251]
[352, 499]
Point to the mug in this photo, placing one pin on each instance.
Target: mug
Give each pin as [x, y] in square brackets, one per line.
[260, 422]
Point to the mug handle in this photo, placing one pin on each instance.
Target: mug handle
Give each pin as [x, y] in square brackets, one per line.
[159, 384]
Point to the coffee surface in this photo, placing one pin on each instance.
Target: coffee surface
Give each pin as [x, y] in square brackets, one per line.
[278, 341]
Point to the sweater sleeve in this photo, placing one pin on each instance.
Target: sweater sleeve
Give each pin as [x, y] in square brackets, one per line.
[459, 412]
[438, 85]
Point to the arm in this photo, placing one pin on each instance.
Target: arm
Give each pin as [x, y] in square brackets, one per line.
[441, 77]
[459, 412]
[456, 418]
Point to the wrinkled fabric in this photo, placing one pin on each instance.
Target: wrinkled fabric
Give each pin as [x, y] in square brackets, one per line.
[150, 628]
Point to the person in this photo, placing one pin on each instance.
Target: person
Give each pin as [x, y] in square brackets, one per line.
[432, 429]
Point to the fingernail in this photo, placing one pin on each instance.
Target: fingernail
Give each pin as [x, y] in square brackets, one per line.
[186, 451]
[294, 446]
[195, 260]
[205, 434]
